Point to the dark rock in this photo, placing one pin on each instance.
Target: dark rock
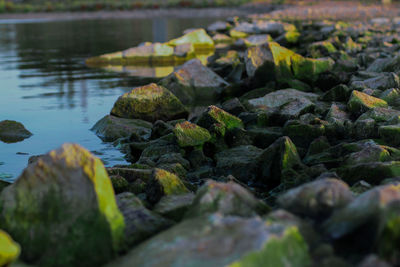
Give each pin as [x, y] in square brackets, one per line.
[174, 207]
[12, 131]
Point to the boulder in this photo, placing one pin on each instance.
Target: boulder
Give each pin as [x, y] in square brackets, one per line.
[141, 223]
[390, 133]
[111, 128]
[317, 199]
[191, 135]
[13, 131]
[194, 82]
[198, 38]
[64, 198]
[164, 183]
[227, 199]
[240, 162]
[360, 102]
[221, 241]
[9, 250]
[174, 207]
[150, 103]
[282, 97]
[382, 82]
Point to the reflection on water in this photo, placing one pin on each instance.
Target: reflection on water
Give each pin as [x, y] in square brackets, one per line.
[46, 85]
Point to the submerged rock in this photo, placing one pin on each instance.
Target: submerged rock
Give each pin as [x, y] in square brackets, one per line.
[9, 250]
[64, 198]
[246, 242]
[111, 128]
[151, 103]
[13, 131]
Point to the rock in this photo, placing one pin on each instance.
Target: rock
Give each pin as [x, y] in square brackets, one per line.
[321, 49]
[391, 96]
[317, 199]
[258, 39]
[264, 137]
[233, 106]
[197, 242]
[226, 199]
[360, 103]
[164, 183]
[174, 207]
[279, 162]
[141, 223]
[3, 184]
[373, 261]
[9, 250]
[338, 93]
[385, 81]
[191, 135]
[273, 62]
[198, 38]
[215, 116]
[119, 183]
[274, 28]
[111, 128]
[302, 133]
[194, 82]
[218, 26]
[365, 218]
[150, 102]
[371, 172]
[240, 162]
[380, 115]
[13, 131]
[391, 134]
[74, 205]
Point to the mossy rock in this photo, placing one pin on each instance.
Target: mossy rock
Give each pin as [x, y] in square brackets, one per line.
[164, 183]
[390, 133]
[150, 103]
[119, 183]
[252, 242]
[9, 250]
[321, 49]
[220, 118]
[360, 102]
[191, 135]
[13, 131]
[65, 197]
[198, 38]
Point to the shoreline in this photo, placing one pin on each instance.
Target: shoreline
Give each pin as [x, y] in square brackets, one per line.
[142, 13]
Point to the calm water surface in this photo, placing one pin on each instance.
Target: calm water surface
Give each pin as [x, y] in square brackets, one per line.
[45, 84]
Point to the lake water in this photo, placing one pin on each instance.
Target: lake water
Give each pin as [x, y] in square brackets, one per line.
[45, 84]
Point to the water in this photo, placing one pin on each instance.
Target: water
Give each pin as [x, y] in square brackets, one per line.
[45, 84]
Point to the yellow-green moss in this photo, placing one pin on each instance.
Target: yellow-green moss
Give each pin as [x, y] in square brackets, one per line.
[198, 38]
[360, 102]
[189, 134]
[227, 120]
[9, 250]
[170, 183]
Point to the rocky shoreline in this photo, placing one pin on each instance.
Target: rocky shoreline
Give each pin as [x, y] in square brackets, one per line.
[296, 162]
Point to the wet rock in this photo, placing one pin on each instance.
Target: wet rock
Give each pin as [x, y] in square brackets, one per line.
[360, 103]
[9, 251]
[247, 242]
[194, 82]
[164, 183]
[226, 199]
[174, 207]
[150, 102]
[111, 128]
[317, 199]
[13, 131]
[141, 223]
[198, 38]
[240, 162]
[191, 135]
[74, 205]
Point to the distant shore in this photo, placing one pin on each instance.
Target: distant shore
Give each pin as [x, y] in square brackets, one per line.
[143, 13]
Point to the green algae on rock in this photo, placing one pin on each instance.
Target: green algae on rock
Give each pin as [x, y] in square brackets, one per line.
[197, 242]
[360, 102]
[164, 183]
[64, 198]
[191, 135]
[198, 38]
[150, 102]
[111, 128]
[390, 133]
[9, 250]
[13, 131]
